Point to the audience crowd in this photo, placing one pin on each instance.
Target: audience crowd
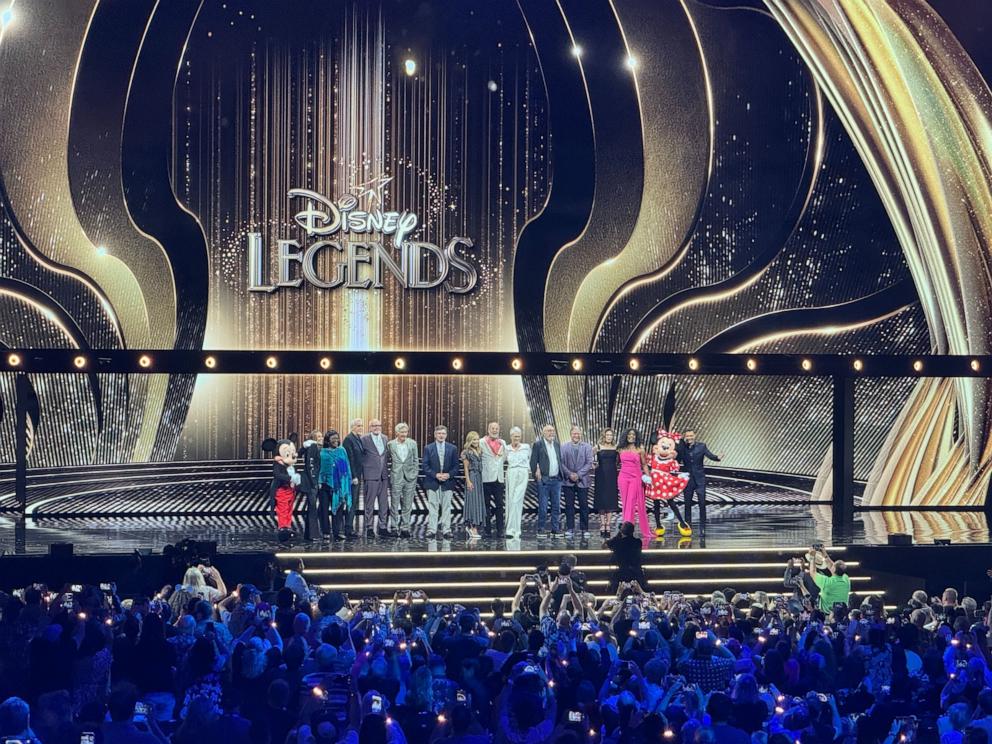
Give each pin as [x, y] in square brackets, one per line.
[198, 662]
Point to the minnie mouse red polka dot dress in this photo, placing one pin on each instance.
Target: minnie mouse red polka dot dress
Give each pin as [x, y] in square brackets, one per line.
[665, 485]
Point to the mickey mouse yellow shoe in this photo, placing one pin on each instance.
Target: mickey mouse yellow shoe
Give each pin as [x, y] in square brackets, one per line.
[659, 532]
[685, 530]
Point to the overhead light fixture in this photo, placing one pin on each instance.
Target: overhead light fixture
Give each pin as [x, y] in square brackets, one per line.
[325, 362]
[975, 365]
[918, 366]
[144, 361]
[410, 67]
[576, 50]
[858, 365]
[14, 360]
[271, 362]
[79, 362]
[807, 365]
[577, 365]
[399, 363]
[456, 363]
[517, 363]
[634, 364]
[693, 364]
[210, 362]
[751, 364]
[631, 61]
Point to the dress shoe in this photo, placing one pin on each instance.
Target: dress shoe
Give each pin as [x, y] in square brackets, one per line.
[339, 538]
[541, 534]
[404, 533]
[430, 535]
[370, 534]
[554, 535]
[448, 536]
[508, 536]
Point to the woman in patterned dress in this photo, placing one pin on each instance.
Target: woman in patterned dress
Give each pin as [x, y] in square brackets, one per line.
[474, 510]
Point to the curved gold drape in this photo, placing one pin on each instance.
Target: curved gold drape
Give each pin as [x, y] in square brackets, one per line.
[920, 115]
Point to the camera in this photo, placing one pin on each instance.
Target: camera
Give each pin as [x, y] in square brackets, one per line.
[575, 716]
[700, 634]
[76, 588]
[377, 704]
[461, 697]
[140, 711]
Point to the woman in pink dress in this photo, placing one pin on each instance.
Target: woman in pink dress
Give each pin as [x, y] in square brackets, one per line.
[631, 479]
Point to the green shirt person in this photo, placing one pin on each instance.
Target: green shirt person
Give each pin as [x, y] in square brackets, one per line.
[834, 589]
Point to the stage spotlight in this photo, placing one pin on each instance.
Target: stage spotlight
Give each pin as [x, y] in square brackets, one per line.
[918, 366]
[399, 363]
[14, 360]
[975, 366]
[632, 62]
[271, 362]
[858, 365]
[517, 364]
[410, 67]
[752, 364]
[577, 365]
[456, 363]
[493, 87]
[101, 250]
[7, 16]
[634, 364]
[325, 362]
[693, 364]
[576, 50]
[144, 361]
[79, 361]
[209, 362]
[807, 365]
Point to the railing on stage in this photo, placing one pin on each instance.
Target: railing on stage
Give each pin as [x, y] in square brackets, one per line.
[843, 370]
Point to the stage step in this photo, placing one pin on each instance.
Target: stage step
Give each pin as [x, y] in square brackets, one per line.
[476, 577]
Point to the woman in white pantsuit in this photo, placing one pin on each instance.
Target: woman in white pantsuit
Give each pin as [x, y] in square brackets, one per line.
[517, 474]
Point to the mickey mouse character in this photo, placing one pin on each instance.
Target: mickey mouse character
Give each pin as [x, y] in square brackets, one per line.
[282, 492]
[666, 480]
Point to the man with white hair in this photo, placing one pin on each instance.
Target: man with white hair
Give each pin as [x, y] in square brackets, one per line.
[404, 467]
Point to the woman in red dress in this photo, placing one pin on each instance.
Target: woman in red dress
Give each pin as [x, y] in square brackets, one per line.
[666, 481]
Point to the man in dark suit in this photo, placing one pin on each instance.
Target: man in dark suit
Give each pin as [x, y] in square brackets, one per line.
[545, 464]
[441, 463]
[376, 477]
[309, 483]
[353, 446]
[691, 456]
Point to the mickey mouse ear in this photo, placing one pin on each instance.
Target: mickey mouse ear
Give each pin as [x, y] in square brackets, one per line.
[269, 445]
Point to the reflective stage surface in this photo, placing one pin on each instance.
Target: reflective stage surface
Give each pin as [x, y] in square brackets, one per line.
[728, 526]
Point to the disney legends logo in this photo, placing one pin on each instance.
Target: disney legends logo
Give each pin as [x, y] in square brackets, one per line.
[359, 263]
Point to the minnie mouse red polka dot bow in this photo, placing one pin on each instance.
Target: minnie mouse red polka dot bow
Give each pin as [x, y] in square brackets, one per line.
[673, 435]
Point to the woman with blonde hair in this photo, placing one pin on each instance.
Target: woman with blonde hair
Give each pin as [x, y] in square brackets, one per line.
[517, 475]
[474, 508]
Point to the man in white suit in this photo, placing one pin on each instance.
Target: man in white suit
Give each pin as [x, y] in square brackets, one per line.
[493, 451]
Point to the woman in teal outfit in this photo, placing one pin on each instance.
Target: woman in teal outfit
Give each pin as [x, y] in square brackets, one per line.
[335, 483]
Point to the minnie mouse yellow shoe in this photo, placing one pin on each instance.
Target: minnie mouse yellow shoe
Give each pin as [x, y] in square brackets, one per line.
[685, 530]
[659, 532]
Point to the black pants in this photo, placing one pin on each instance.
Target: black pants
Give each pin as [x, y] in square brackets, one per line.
[493, 492]
[324, 509]
[572, 494]
[351, 515]
[311, 528]
[341, 518]
[697, 488]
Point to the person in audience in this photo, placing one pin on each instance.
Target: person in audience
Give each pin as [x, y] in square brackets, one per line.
[835, 587]
[729, 666]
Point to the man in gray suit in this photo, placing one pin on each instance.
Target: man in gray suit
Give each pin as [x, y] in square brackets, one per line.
[376, 477]
[404, 467]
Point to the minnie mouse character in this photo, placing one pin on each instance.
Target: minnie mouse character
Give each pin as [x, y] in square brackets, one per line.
[666, 481]
[282, 492]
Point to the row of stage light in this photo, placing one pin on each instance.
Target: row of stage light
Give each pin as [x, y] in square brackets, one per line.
[486, 363]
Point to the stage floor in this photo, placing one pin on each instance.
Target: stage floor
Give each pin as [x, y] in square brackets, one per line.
[737, 525]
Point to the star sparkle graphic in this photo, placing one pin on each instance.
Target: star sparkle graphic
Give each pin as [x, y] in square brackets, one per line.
[371, 188]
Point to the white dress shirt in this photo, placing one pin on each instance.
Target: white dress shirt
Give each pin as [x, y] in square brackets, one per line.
[552, 458]
[440, 456]
[380, 445]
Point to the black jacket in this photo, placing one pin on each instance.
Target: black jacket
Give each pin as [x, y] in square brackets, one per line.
[692, 459]
[353, 446]
[310, 467]
[539, 458]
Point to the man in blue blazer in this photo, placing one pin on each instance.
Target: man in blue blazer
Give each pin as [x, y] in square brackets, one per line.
[692, 456]
[441, 463]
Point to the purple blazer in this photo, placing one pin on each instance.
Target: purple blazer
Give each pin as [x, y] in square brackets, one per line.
[576, 458]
